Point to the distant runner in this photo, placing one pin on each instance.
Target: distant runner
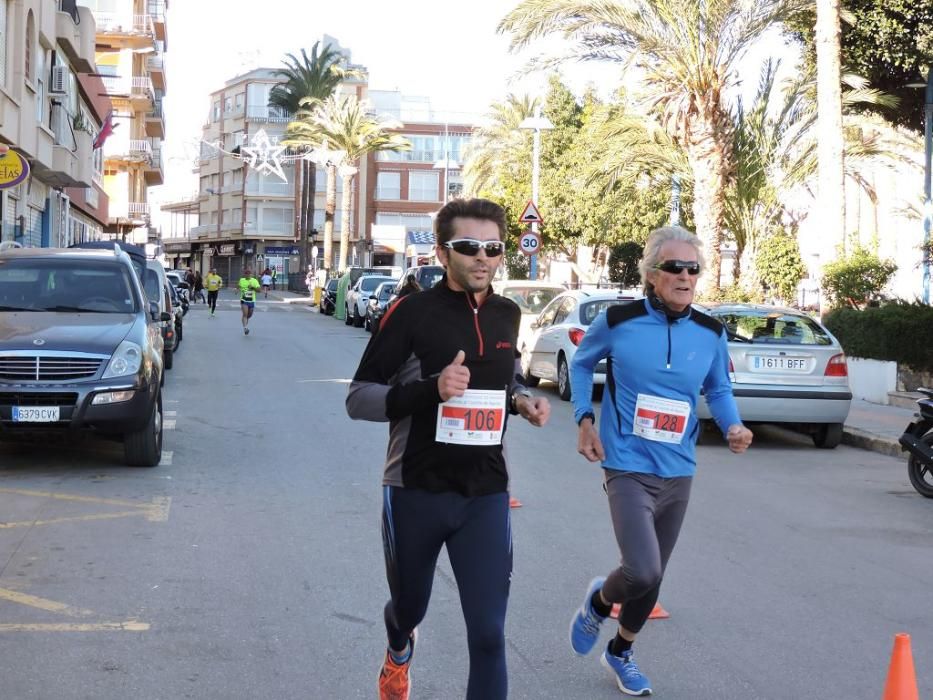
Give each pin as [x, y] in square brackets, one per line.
[213, 282]
[248, 286]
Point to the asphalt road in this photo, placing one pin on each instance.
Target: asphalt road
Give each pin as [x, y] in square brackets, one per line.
[249, 564]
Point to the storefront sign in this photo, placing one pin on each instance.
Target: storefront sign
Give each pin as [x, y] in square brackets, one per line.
[14, 168]
[228, 249]
[282, 250]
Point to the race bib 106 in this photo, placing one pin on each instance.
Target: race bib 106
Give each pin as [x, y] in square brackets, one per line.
[661, 420]
[476, 418]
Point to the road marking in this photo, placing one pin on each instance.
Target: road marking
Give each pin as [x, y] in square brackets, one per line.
[128, 626]
[166, 460]
[332, 381]
[154, 512]
[173, 414]
[168, 425]
[42, 603]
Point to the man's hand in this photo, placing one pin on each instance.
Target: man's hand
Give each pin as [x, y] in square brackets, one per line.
[588, 443]
[454, 378]
[739, 438]
[535, 409]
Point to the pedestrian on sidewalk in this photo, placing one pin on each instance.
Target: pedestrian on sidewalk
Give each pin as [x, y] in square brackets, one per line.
[248, 285]
[266, 282]
[660, 353]
[214, 283]
[275, 274]
[199, 288]
[446, 481]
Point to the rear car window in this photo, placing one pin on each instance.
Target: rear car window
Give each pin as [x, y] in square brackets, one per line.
[49, 284]
[778, 328]
[531, 300]
[591, 309]
[369, 284]
[429, 276]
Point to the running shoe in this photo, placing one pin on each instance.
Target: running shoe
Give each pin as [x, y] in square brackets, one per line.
[246, 330]
[629, 678]
[395, 679]
[584, 627]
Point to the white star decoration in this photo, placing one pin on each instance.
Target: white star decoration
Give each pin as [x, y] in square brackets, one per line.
[265, 156]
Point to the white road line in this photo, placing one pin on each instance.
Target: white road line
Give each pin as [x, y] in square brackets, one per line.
[168, 425]
[166, 458]
[170, 413]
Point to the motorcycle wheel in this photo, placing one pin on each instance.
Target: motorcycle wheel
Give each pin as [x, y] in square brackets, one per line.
[920, 473]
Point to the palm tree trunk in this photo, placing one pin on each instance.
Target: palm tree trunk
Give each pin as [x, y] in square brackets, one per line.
[832, 199]
[307, 196]
[708, 163]
[345, 220]
[330, 208]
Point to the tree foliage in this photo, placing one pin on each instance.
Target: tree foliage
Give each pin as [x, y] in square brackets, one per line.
[857, 279]
[623, 264]
[890, 43]
[779, 264]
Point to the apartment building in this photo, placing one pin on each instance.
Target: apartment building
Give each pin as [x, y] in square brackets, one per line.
[131, 42]
[50, 113]
[248, 217]
[406, 189]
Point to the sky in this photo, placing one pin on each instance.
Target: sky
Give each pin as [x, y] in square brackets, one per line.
[420, 47]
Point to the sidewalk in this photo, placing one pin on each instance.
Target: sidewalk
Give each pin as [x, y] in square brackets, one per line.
[289, 297]
[875, 427]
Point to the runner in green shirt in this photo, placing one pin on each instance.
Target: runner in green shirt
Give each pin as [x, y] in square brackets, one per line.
[248, 286]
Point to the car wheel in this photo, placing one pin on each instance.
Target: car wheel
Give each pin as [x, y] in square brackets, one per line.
[178, 334]
[598, 392]
[563, 379]
[828, 435]
[347, 318]
[530, 379]
[357, 319]
[143, 448]
[921, 474]
[169, 358]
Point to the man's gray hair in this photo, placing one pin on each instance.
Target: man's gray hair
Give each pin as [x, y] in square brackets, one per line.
[656, 241]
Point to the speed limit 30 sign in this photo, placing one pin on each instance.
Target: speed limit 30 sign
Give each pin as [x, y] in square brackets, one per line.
[529, 243]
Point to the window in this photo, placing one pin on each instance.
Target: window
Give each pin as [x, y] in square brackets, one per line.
[228, 105]
[424, 149]
[278, 220]
[422, 186]
[216, 111]
[239, 99]
[40, 84]
[30, 40]
[389, 186]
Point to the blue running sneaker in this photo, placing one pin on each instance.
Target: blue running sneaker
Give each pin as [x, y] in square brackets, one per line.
[629, 678]
[584, 627]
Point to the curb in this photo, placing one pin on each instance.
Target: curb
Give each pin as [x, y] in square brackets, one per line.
[855, 437]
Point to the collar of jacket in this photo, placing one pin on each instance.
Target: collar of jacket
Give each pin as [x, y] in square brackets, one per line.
[453, 292]
[656, 304]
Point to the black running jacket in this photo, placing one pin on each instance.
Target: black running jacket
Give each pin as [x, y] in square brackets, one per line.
[397, 382]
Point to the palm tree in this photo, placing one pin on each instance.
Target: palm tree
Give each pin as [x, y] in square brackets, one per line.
[688, 53]
[346, 125]
[500, 142]
[305, 82]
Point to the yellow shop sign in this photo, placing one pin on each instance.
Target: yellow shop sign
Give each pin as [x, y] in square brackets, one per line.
[14, 168]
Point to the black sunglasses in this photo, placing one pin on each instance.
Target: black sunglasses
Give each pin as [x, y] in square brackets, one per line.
[468, 246]
[675, 267]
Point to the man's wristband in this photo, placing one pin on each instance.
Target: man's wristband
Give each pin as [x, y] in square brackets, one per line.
[588, 414]
[521, 391]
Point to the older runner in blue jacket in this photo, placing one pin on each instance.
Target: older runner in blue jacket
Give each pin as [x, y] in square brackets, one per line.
[660, 354]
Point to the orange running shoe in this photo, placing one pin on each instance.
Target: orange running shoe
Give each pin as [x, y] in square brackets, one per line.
[394, 680]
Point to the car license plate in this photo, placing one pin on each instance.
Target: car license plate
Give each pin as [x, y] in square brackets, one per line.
[35, 414]
[766, 363]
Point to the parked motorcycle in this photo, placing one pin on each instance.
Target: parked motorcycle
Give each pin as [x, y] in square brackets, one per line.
[918, 441]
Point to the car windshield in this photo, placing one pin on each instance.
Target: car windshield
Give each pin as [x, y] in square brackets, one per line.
[50, 284]
[772, 327]
[332, 285]
[591, 309]
[152, 285]
[386, 291]
[369, 284]
[429, 277]
[531, 300]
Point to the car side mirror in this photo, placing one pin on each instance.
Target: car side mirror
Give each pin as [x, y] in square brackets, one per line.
[165, 316]
[153, 310]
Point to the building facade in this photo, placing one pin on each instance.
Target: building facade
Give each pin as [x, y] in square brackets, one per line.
[49, 115]
[131, 41]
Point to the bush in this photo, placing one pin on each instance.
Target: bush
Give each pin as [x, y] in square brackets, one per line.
[734, 293]
[780, 266]
[623, 264]
[898, 331]
[857, 279]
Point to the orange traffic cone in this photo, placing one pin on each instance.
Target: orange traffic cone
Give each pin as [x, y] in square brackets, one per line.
[514, 502]
[657, 613]
[902, 679]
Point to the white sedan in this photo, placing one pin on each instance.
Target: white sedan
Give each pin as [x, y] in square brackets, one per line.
[531, 296]
[557, 332]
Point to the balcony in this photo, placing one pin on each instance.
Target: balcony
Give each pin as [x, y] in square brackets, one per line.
[130, 211]
[75, 33]
[202, 230]
[124, 30]
[265, 113]
[156, 10]
[127, 150]
[138, 89]
[155, 121]
[152, 170]
[156, 66]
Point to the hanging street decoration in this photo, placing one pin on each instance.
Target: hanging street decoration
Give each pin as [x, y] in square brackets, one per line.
[263, 155]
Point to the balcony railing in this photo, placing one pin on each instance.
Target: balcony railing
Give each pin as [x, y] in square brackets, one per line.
[140, 147]
[202, 229]
[129, 210]
[156, 10]
[120, 23]
[138, 85]
[267, 114]
[156, 62]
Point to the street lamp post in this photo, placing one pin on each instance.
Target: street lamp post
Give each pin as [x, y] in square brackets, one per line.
[537, 123]
[446, 164]
[927, 193]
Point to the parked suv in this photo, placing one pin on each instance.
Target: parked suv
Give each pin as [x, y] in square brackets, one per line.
[80, 350]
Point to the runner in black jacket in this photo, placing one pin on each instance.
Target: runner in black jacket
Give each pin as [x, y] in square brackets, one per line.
[443, 372]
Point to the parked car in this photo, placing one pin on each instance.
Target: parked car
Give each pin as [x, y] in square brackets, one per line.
[425, 275]
[557, 332]
[329, 297]
[81, 350]
[182, 287]
[376, 306]
[158, 290]
[531, 296]
[178, 309]
[358, 297]
[786, 367]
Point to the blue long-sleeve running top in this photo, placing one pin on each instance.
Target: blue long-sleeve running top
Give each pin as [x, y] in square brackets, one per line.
[656, 367]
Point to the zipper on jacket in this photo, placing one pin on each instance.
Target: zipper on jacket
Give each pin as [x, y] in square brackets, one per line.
[670, 322]
[474, 307]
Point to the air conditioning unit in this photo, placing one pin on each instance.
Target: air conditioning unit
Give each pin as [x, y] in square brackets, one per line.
[59, 80]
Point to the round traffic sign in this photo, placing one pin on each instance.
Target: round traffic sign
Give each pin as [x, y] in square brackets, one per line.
[529, 243]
